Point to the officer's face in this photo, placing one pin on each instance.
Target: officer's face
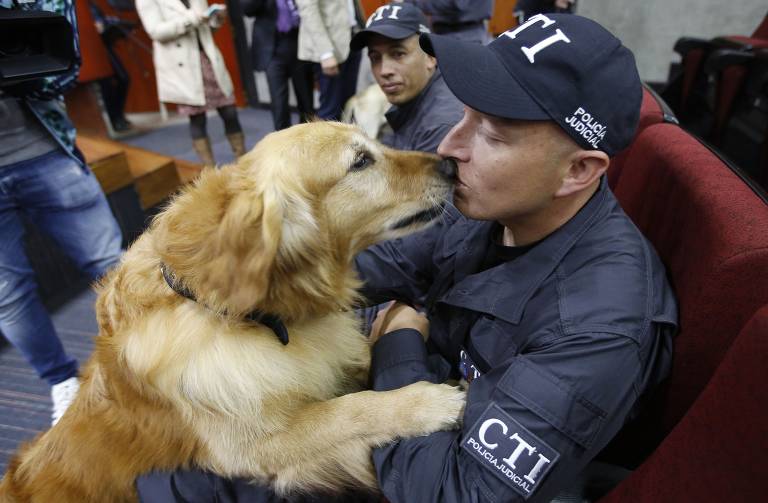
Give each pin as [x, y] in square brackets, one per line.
[507, 170]
[400, 67]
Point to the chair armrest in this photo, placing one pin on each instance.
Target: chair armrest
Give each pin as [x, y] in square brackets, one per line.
[723, 58]
[683, 45]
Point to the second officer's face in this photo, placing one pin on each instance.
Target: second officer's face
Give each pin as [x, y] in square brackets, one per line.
[400, 67]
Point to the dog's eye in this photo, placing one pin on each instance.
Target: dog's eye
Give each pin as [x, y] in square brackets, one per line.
[362, 162]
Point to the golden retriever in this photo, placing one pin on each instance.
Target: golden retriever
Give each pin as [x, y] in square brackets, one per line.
[175, 382]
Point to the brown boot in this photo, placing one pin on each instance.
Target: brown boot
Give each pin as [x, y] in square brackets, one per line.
[237, 142]
[202, 147]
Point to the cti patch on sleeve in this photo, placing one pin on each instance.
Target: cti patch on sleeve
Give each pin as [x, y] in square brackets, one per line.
[511, 452]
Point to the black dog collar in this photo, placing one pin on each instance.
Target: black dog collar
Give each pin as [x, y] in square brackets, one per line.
[270, 320]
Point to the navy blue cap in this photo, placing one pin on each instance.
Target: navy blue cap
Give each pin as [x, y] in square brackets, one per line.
[559, 67]
[396, 21]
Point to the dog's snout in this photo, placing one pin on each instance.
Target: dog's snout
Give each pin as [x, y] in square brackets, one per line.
[447, 168]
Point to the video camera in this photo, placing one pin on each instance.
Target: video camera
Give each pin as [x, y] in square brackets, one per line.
[34, 44]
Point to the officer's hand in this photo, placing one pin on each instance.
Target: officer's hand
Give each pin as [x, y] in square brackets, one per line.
[397, 316]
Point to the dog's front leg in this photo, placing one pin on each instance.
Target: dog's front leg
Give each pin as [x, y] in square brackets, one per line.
[327, 445]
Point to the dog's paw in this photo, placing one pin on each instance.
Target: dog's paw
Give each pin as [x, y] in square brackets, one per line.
[433, 407]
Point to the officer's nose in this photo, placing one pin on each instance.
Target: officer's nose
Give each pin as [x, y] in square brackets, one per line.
[447, 168]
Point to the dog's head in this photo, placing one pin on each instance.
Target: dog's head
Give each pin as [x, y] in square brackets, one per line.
[278, 231]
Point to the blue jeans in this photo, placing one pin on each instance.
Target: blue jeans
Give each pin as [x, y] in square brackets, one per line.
[65, 201]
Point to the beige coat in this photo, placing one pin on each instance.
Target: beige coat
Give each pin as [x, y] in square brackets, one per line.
[176, 52]
[325, 27]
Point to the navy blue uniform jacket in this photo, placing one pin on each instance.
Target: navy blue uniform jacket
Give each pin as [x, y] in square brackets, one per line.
[422, 123]
[558, 343]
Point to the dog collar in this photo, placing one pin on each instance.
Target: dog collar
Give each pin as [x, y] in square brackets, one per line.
[270, 320]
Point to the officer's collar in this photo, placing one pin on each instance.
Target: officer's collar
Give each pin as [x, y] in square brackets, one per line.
[270, 320]
[398, 115]
[522, 277]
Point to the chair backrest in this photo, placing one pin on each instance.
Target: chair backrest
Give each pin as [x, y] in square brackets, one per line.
[711, 231]
[757, 39]
[717, 452]
[761, 31]
[653, 110]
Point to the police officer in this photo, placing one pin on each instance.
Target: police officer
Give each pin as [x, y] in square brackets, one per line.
[540, 294]
[463, 19]
[423, 108]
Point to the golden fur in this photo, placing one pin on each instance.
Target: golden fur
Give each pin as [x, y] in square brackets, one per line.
[173, 383]
[367, 109]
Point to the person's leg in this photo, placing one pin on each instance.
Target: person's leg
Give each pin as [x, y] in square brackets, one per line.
[330, 94]
[232, 129]
[303, 80]
[66, 202]
[23, 319]
[198, 126]
[278, 73]
[196, 486]
[109, 96]
[200, 141]
[335, 91]
[348, 74]
[228, 114]
[121, 81]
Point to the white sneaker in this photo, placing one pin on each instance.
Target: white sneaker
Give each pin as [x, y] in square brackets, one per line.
[63, 394]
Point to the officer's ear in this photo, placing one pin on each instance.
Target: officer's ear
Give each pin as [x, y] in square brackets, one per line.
[585, 168]
[431, 63]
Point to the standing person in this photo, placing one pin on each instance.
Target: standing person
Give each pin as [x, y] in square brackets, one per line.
[114, 89]
[274, 49]
[43, 177]
[542, 296]
[324, 34]
[423, 108]
[463, 19]
[190, 69]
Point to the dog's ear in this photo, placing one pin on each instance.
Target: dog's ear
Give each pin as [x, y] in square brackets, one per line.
[220, 238]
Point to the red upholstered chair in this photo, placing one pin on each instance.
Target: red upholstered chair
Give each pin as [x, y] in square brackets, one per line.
[710, 229]
[694, 52]
[653, 110]
[718, 451]
[760, 34]
[730, 70]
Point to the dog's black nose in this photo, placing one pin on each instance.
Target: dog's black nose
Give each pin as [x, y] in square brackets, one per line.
[447, 168]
